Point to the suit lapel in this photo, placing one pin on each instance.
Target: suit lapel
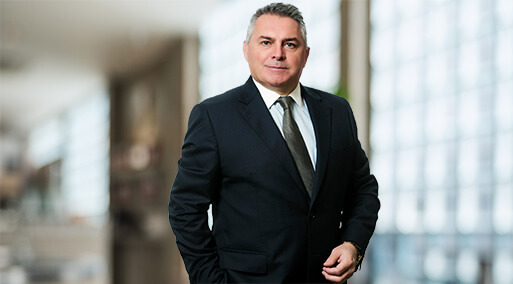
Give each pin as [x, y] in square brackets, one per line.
[255, 112]
[320, 114]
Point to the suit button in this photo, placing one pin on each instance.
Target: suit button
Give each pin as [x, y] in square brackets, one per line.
[312, 216]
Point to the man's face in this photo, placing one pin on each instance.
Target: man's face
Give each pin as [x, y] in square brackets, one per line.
[276, 53]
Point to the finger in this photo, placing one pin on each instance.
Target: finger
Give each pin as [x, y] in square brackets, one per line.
[338, 278]
[342, 266]
[332, 278]
[332, 259]
[339, 269]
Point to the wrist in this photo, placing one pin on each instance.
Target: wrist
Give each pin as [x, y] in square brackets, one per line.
[359, 253]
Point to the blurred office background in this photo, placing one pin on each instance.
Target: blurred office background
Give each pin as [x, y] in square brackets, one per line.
[95, 96]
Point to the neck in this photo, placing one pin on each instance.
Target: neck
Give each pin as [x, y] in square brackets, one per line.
[281, 90]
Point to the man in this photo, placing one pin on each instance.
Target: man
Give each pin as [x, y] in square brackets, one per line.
[291, 193]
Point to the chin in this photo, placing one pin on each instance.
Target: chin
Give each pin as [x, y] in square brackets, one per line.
[278, 82]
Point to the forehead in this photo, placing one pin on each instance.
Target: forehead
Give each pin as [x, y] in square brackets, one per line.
[276, 26]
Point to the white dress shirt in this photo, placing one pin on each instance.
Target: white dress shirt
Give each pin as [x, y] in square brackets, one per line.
[299, 112]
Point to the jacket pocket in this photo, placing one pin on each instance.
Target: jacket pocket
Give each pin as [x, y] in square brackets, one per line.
[243, 261]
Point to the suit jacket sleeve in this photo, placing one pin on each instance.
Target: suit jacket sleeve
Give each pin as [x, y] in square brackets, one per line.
[195, 186]
[361, 211]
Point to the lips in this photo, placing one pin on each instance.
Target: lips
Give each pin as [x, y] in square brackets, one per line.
[277, 67]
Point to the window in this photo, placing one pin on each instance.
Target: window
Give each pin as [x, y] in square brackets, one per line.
[79, 141]
[442, 139]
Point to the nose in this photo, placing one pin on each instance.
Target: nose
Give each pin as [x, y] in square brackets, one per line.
[278, 53]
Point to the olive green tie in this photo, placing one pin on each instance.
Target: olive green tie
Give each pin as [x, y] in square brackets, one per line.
[296, 144]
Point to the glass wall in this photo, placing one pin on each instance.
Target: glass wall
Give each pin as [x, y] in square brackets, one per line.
[55, 230]
[78, 142]
[442, 140]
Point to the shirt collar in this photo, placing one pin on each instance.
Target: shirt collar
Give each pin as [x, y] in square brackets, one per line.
[270, 96]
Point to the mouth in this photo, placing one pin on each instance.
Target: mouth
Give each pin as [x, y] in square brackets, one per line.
[277, 68]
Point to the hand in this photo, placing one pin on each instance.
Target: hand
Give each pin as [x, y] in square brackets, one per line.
[341, 264]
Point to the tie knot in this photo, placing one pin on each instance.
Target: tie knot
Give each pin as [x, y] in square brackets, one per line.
[285, 101]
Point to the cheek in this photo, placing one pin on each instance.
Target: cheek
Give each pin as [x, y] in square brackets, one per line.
[253, 60]
[301, 62]
[262, 57]
[256, 58]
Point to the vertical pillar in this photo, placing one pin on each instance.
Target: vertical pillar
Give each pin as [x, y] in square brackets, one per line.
[355, 62]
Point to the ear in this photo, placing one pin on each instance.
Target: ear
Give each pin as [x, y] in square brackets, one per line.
[245, 50]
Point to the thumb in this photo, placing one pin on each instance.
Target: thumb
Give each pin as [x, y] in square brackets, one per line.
[332, 260]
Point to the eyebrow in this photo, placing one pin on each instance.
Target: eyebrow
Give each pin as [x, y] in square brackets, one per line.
[286, 39]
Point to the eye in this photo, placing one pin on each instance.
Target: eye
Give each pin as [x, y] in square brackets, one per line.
[266, 42]
[290, 45]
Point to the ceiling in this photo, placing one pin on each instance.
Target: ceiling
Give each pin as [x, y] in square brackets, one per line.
[53, 53]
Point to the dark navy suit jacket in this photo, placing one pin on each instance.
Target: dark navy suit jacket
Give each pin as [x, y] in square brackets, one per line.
[266, 228]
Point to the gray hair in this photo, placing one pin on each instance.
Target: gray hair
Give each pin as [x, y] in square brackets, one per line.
[278, 9]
